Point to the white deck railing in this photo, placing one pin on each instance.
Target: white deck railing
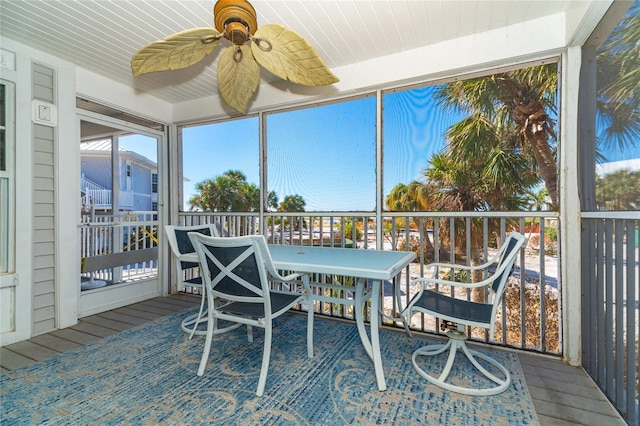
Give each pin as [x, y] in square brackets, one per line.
[95, 195]
[530, 314]
[104, 234]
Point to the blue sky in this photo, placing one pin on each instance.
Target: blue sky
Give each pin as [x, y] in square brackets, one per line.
[325, 154]
[615, 153]
[210, 150]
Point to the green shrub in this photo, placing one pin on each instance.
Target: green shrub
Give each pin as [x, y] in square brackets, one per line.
[551, 234]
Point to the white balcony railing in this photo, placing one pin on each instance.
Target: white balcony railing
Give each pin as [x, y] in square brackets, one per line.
[530, 315]
[107, 234]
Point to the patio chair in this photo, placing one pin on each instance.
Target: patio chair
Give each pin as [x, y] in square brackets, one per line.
[239, 270]
[188, 272]
[457, 314]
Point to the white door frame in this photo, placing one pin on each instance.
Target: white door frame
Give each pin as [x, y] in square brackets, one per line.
[102, 299]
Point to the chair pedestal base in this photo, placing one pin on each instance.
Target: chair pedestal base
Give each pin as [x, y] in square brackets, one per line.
[457, 342]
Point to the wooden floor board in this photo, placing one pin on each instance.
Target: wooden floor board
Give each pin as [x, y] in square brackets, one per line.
[75, 336]
[12, 361]
[128, 319]
[107, 323]
[560, 386]
[95, 330]
[191, 299]
[32, 350]
[570, 400]
[55, 343]
[182, 303]
[569, 376]
[168, 306]
[150, 308]
[140, 313]
[562, 394]
[575, 415]
[548, 365]
[551, 421]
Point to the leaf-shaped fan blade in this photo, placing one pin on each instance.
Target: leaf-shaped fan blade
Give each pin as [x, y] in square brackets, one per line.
[238, 76]
[176, 51]
[289, 56]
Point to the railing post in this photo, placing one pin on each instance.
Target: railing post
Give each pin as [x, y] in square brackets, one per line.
[570, 212]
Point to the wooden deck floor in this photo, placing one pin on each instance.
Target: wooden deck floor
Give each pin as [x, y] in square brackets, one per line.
[562, 395]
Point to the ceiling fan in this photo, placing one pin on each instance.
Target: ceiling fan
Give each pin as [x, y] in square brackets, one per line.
[281, 51]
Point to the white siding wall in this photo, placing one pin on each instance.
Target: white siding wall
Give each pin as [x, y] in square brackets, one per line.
[44, 207]
[47, 201]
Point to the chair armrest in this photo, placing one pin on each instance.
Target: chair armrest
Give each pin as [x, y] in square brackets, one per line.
[295, 277]
[425, 280]
[288, 278]
[439, 265]
[434, 268]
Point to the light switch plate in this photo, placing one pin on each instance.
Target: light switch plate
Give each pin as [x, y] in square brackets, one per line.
[7, 59]
[44, 113]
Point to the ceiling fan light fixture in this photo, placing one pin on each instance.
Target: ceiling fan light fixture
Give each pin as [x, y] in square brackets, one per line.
[236, 32]
[237, 17]
[283, 52]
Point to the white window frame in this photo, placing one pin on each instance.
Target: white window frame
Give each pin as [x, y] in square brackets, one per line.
[8, 276]
[7, 191]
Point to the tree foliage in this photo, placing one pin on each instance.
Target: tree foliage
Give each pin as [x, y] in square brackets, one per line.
[508, 118]
[293, 203]
[619, 190]
[618, 81]
[229, 192]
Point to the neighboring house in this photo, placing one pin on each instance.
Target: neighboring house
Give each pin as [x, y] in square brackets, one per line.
[138, 179]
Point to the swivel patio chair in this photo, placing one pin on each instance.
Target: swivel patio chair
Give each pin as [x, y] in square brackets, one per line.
[188, 272]
[457, 314]
[239, 270]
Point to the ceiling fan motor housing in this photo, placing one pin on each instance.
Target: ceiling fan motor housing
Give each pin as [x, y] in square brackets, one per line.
[237, 17]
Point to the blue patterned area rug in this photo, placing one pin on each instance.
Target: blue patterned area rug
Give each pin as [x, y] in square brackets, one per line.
[147, 375]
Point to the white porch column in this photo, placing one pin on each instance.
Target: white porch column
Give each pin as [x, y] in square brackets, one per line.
[570, 208]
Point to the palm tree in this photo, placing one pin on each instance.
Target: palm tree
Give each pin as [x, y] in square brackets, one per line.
[536, 201]
[401, 200]
[513, 107]
[411, 198]
[526, 98]
[492, 179]
[619, 190]
[229, 192]
[293, 203]
[618, 80]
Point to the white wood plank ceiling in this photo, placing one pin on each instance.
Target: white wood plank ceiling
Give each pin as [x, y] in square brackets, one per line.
[101, 35]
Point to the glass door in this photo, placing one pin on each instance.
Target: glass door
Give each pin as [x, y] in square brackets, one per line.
[120, 221]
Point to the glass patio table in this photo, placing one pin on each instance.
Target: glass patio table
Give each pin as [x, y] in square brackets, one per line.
[373, 266]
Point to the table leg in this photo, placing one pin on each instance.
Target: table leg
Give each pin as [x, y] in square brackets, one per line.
[375, 337]
[371, 346]
[359, 308]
